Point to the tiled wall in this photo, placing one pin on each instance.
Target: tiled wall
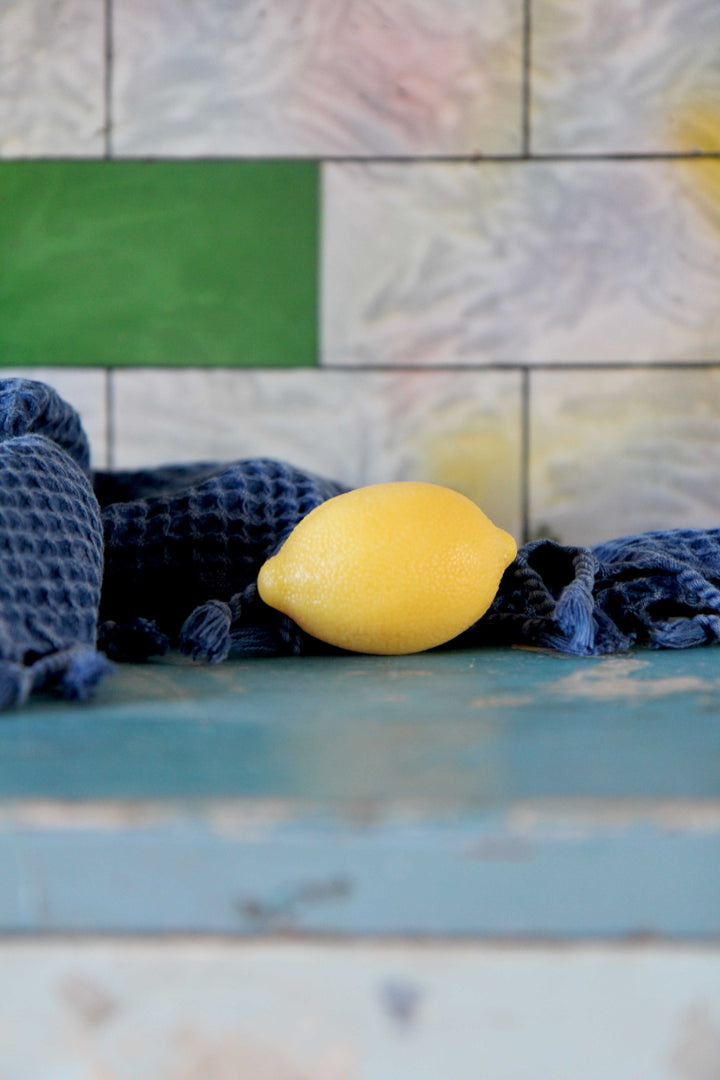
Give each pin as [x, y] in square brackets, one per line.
[470, 241]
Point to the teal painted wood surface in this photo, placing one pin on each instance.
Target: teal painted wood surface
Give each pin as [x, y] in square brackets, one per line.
[493, 793]
[154, 263]
[482, 728]
[276, 869]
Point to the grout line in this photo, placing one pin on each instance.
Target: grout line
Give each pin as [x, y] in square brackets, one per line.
[507, 159]
[108, 30]
[525, 455]
[417, 369]
[109, 418]
[549, 365]
[368, 159]
[388, 369]
[526, 65]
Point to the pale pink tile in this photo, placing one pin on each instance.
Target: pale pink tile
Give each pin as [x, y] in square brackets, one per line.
[317, 77]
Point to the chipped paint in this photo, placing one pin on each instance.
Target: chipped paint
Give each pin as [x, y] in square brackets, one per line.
[86, 999]
[696, 1051]
[240, 818]
[226, 1010]
[535, 816]
[448, 872]
[206, 1055]
[504, 848]
[351, 814]
[614, 678]
[400, 999]
[283, 912]
[501, 701]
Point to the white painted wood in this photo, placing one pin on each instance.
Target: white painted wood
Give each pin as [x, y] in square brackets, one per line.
[314, 77]
[220, 1010]
[508, 262]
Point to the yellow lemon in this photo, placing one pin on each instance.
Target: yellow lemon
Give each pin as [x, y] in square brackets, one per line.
[391, 568]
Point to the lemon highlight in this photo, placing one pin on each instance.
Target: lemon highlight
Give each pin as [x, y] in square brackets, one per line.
[389, 569]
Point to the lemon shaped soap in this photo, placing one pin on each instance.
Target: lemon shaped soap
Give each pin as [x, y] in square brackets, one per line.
[390, 568]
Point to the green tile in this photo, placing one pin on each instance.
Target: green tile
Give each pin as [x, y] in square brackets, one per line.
[154, 263]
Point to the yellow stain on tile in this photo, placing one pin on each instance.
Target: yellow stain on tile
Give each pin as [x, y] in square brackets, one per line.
[696, 130]
[696, 127]
[497, 104]
[479, 463]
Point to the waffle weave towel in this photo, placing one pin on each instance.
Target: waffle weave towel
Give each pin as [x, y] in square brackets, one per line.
[655, 589]
[183, 551]
[184, 547]
[51, 551]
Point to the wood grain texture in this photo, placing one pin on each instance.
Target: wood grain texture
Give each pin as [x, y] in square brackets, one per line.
[51, 79]
[188, 1010]
[317, 78]
[625, 76]
[462, 430]
[520, 262]
[613, 453]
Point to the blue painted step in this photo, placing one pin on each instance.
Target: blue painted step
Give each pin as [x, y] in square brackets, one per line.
[494, 793]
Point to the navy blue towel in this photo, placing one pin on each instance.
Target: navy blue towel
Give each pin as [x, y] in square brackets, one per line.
[656, 589]
[51, 551]
[183, 551]
[29, 407]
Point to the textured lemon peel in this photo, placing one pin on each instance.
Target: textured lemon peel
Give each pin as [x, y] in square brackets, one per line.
[389, 569]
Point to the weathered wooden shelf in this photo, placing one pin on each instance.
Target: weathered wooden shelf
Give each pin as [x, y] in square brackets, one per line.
[499, 793]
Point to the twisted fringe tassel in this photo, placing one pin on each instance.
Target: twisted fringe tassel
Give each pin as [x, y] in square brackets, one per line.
[574, 619]
[575, 608]
[71, 673]
[207, 633]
